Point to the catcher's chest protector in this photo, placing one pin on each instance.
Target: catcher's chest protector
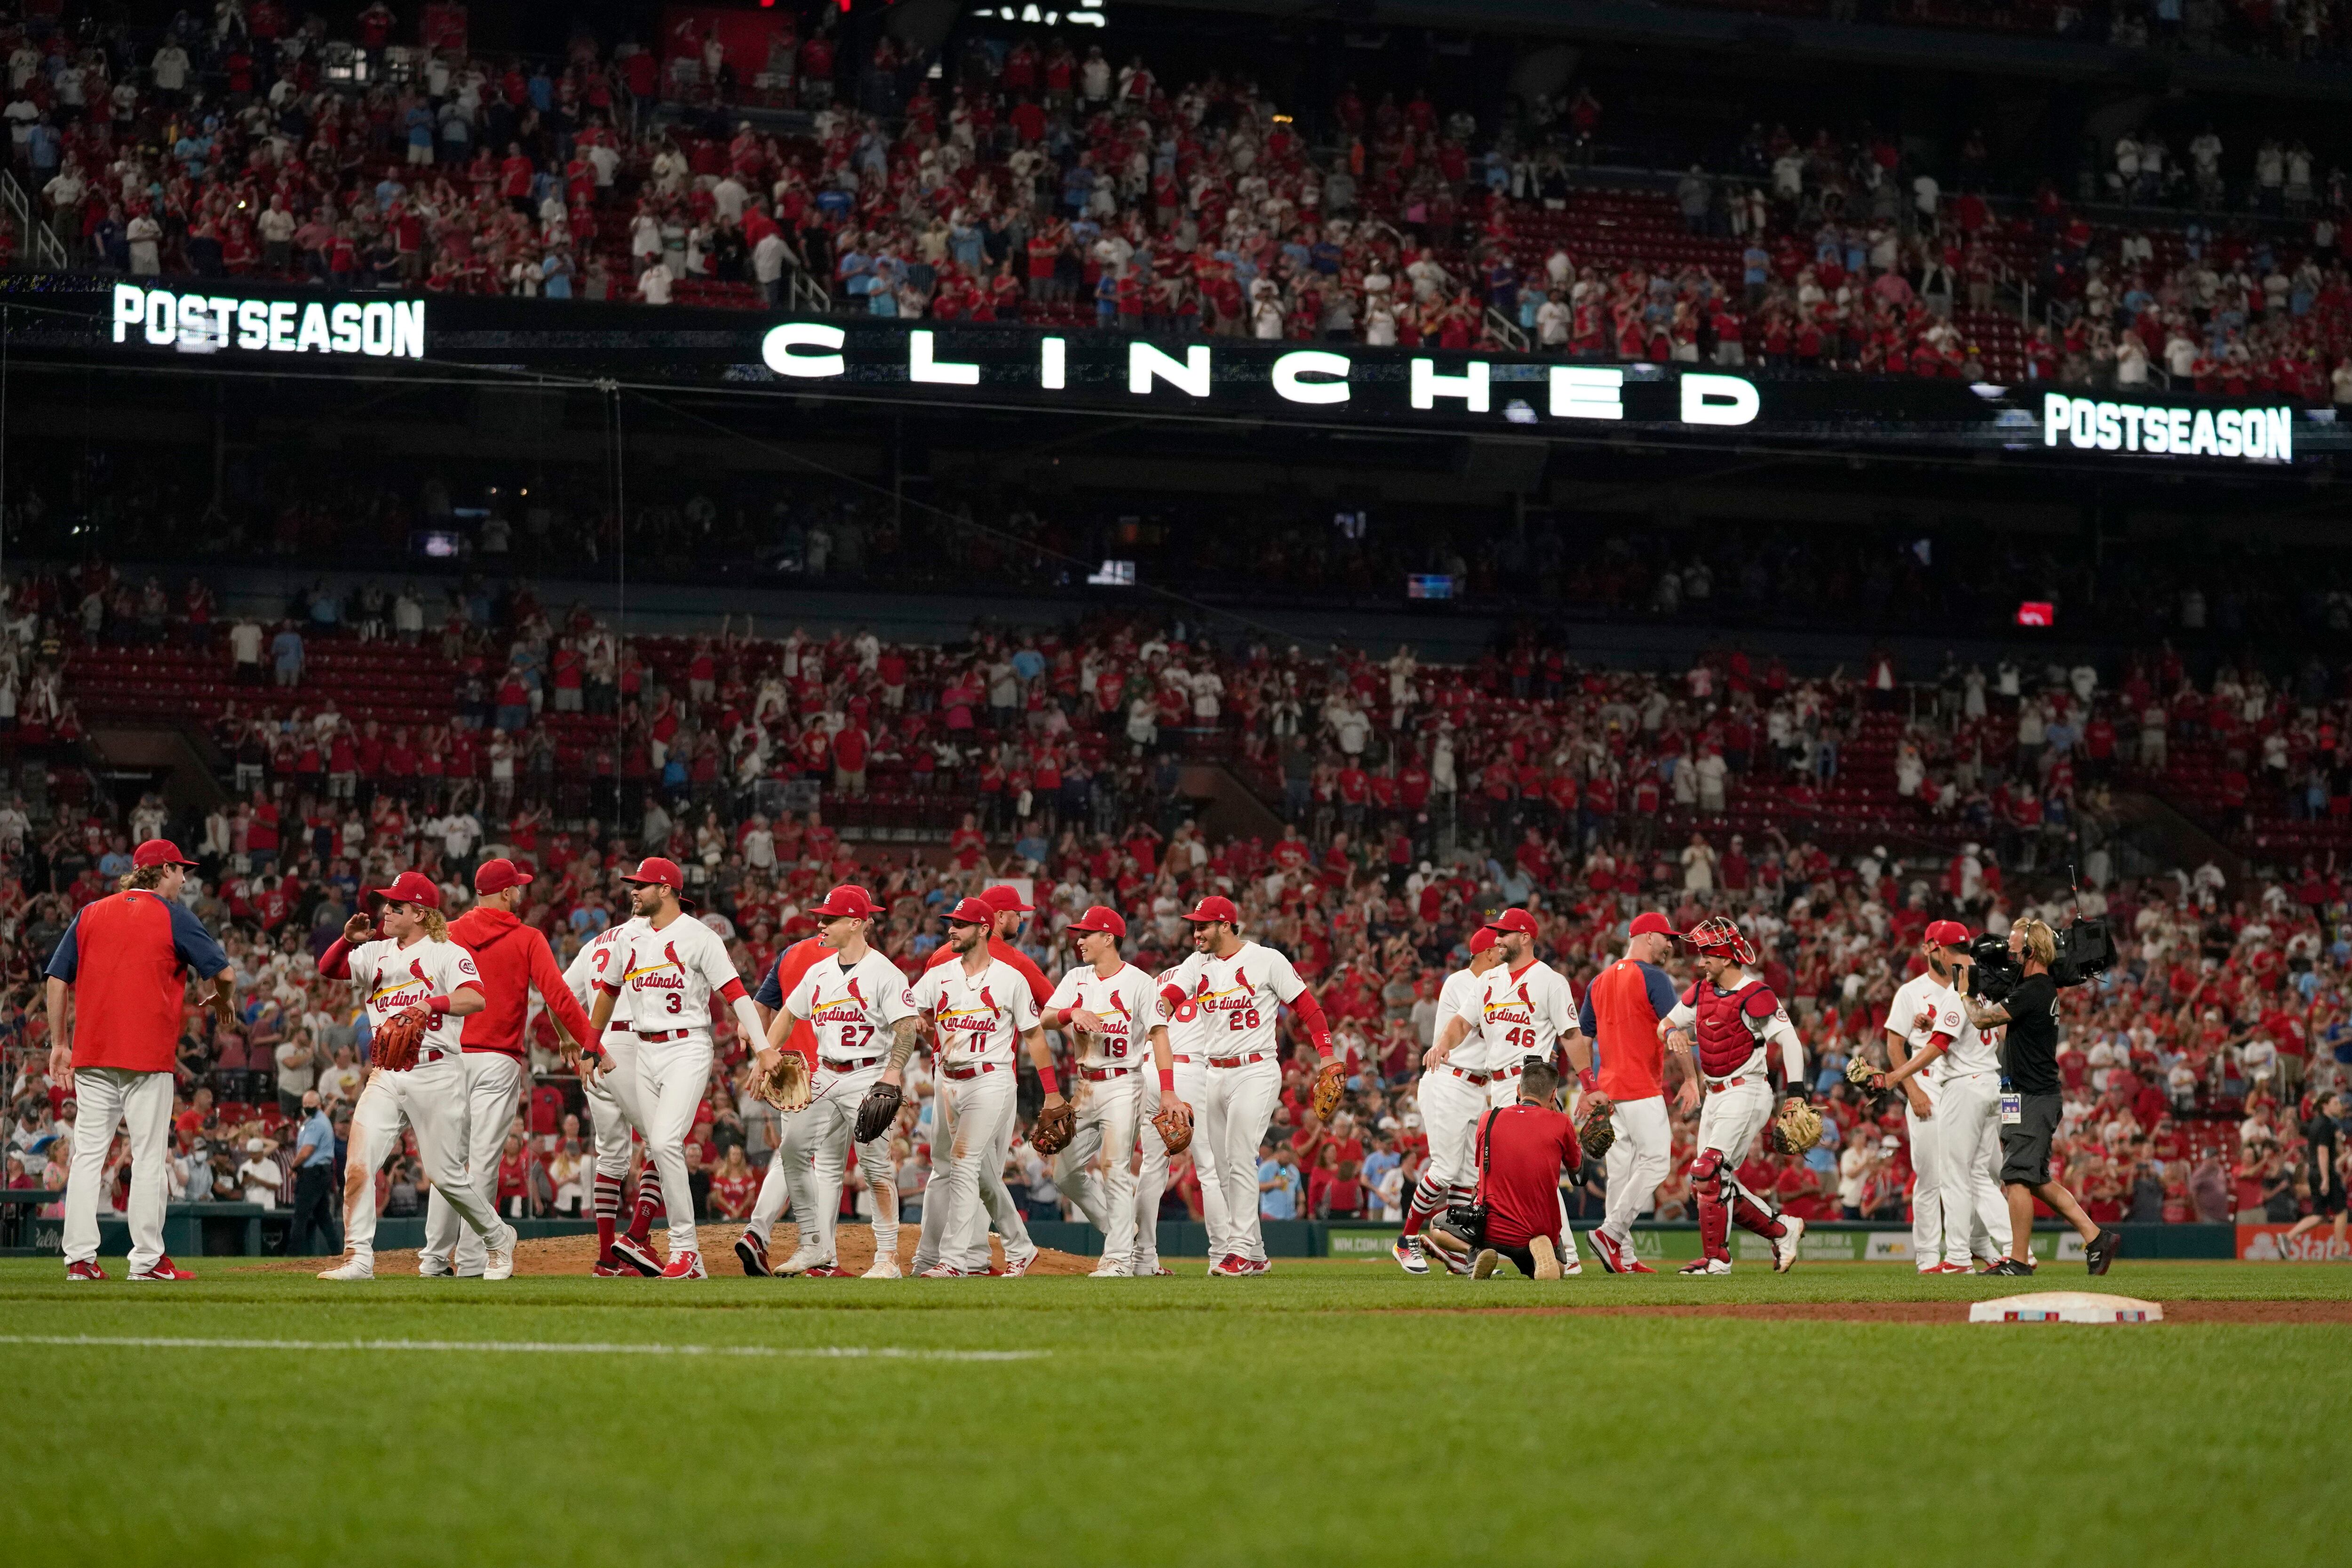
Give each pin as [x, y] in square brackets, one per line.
[1730, 1028]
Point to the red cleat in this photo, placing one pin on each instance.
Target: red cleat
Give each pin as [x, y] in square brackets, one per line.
[685, 1266]
[610, 1268]
[1232, 1266]
[90, 1271]
[753, 1253]
[826, 1272]
[164, 1269]
[1616, 1257]
[636, 1255]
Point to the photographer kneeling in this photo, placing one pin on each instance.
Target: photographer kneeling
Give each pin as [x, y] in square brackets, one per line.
[1516, 1213]
[2031, 1102]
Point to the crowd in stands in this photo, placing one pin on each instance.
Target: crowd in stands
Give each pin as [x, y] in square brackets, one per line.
[2299, 30]
[1413, 802]
[1053, 184]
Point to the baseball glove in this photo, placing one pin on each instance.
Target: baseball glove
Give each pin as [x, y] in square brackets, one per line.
[784, 1085]
[396, 1044]
[1174, 1124]
[1797, 1129]
[1052, 1132]
[1330, 1084]
[1595, 1133]
[877, 1110]
[1859, 1072]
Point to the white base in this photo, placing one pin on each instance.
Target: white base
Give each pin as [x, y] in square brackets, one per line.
[2065, 1306]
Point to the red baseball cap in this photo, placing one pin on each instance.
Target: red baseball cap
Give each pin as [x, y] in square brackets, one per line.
[1947, 934]
[1519, 920]
[654, 869]
[1481, 940]
[1005, 900]
[971, 912]
[1215, 907]
[412, 887]
[158, 852]
[1649, 922]
[847, 902]
[498, 874]
[1101, 918]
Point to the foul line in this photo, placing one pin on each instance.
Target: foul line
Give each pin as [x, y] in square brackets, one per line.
[525, 1347]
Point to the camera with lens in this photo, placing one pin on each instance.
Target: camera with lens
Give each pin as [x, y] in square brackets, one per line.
[2086, 948]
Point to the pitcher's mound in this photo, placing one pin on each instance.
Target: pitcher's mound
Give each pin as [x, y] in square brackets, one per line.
[576, 1254]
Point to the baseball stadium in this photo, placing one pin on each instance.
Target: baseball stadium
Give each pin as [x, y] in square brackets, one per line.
[1273, 781]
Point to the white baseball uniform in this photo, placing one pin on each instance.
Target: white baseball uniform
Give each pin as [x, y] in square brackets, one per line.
[430, 1096]
[1923, 991]
[671, 975]
[853, 1009]
[1523, 1013]
[1115, 1063]
[976, 1019]
[1956, 1207]
[1453, 1095]
[614, 1111]
[1188, 1046]
[1239, 1004]
[1734, 1104]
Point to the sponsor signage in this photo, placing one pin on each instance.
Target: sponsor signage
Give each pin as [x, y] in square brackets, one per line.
[2269, 1243]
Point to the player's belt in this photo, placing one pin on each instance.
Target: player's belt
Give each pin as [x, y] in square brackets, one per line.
[848, 1064]
[670, 1035]
[1241, 1061]
[1481, 1080]
[1096, 1074]
[974, 1071]
[1184, 1059]
[1717, 1085]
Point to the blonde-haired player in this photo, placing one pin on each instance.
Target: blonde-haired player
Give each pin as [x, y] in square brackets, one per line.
[1952, 1105]
[1105, 1002]
[672, 970]
[976, 1006]
[414, 965]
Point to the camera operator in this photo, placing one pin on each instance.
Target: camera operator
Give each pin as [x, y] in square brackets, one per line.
[2031, 1105]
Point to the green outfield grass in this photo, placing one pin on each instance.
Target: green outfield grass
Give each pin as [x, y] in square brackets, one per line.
[1309, 1417]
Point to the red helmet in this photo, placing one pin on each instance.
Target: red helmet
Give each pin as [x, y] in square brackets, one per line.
[1717, 937]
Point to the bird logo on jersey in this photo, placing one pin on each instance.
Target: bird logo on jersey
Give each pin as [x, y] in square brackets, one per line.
[854, 994]
[1240, 994]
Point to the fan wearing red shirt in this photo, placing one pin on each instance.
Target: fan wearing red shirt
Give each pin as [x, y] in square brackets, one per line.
[1522, 1151]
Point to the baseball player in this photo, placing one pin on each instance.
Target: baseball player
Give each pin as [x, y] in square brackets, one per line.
[513, 958]
[1007, 913]
[1455, 1075]
[1188, 1048]
[976, 1006]
[775, 1187]
[1624, 1010]
[616, 1113]
[1949, 1075]
[1105, 1002]
[672, 970]
[1731, 1015]
[1528, 1009]
[858, 1003]
[413, 964]
[1238, 989]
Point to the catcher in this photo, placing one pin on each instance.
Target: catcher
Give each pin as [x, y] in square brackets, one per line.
[1102, 1006]
[1729, 1014]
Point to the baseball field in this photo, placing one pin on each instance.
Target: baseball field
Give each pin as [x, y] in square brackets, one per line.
[1331, 1412]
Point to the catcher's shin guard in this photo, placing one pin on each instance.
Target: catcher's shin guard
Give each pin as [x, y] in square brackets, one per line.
[1713, 1217]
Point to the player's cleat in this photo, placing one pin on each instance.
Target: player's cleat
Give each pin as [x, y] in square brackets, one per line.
[1407, 1252]
[2011, 1267]
[884, 1268]
[1154, 1269]
[753, 1253]
[1109, 1271]
[1016, 1266]
[802, 1259]
[1454, 1265]
[498, 1257]
[1482, 1266]
[1784, 1249]
[435, 1266]
[1540, 1249]
[1616, 1257]
[1947, 1268]
[1232, 1266]
[353, 1267]
[1985, 1265]
[87, 1270]
[635, 1254]
[163, 1268]
[685, 1266]
[946, 1271]
[1257, 1266]
[610, 1268]
[826, 1271]
[2097, 1256]
[1710, 1266]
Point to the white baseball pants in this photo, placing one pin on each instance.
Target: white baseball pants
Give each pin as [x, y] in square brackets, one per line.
[142, 1103]
[671, 1077]
[431, 1098]
[493, 1087]
[1450, 1107]
[811, 1164]
[1235, 1110]
[614, 1110]
[958, 1205]
[1152, 1179]
[1106, 1126]
[1970, 1112]
[1928, 1182]
[1636, 1162]
[1729, 1119]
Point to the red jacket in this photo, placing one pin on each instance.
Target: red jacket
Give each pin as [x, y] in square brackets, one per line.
[513, 957]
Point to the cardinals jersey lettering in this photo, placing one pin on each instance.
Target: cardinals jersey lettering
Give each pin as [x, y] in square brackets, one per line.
[601, 960]
[671, 975]
[1969, 1051]
[976, 1015]
[1123, 1002]
[1524, 1012]
[1731, 1027]
[390, 979]
[1238, 1001]
[852, 1007]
